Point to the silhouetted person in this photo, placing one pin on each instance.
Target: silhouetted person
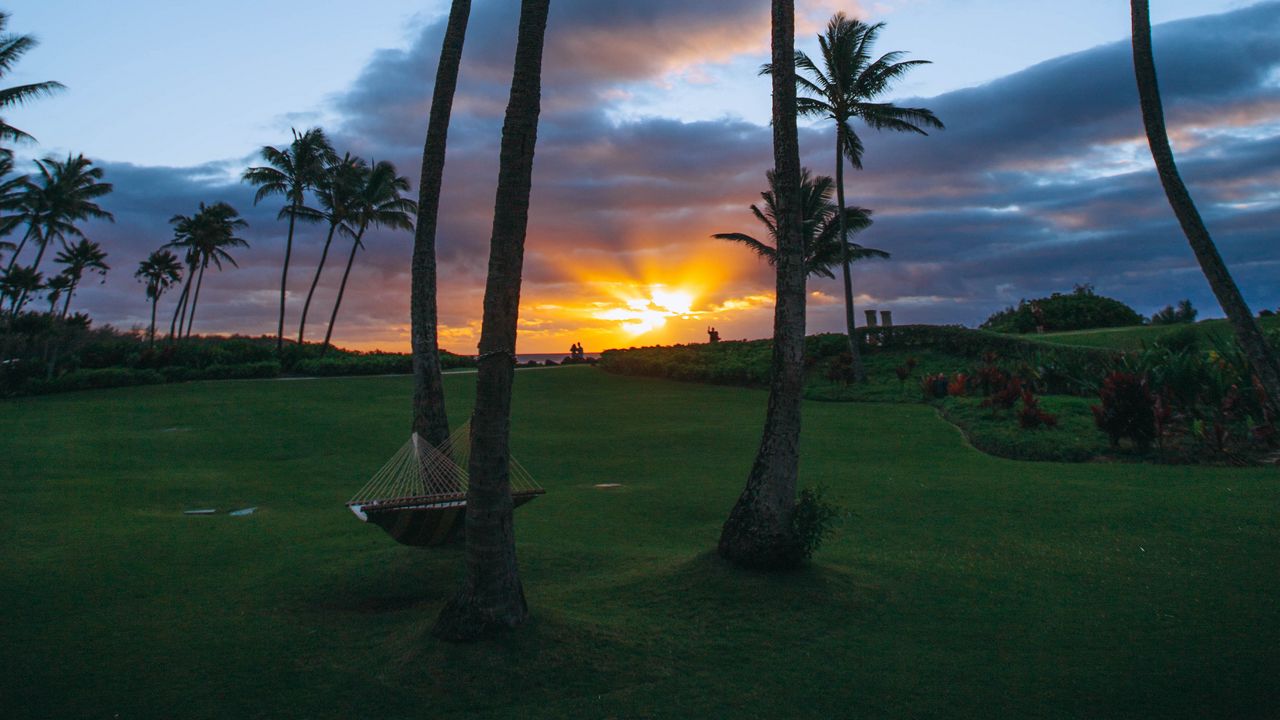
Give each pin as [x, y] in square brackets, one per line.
[713, 335]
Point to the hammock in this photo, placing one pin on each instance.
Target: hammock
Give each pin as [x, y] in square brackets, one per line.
[420, 496]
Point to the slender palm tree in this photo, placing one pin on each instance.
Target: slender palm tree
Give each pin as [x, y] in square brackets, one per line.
[206, 236]
[844, 85]
[79, 257]
[430, 421]
[13, 192]
[160, 271]
[377, 203]
[491, 599]
[822, 250]
[18, 282]
[336, 194]
[291, 172]
[63, 194]
[758, 531]
[12, 48]
[1248, 334]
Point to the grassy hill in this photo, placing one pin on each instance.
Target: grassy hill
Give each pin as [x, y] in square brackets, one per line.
[1134, 338]
[963, 586]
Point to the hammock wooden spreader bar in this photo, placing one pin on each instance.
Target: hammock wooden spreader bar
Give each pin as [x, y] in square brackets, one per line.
[420, 496]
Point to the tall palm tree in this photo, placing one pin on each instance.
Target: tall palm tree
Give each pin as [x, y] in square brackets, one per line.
[12, 48]
[79, 257]
[844, 85]
[491, 599]
[336, 194]
[430, 421]
[1261, 356]
[17, 283]
[206, 236]
[63, 194]
[377, 203]
[758, 531]
[291, 172]
[160, 271]
[822, 250]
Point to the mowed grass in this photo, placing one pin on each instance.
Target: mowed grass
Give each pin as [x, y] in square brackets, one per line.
[964, 586]
[1137, 337]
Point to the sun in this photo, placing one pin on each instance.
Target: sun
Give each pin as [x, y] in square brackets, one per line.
[649, 308]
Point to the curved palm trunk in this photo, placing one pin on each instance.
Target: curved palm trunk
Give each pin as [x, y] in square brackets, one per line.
[151, 333]
[758, 532]
[195, 299]
[179, 311]
[306, 307]
[284, 277]
[13, 261]
[429, 419]
[67, 305]
[850, 321]
[1248, 334]
[342, 289]
[491, 599]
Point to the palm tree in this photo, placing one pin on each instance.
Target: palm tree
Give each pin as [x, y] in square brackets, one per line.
[206, 237]
[55, 288]
[1261, 356]
[491, 599]
[18, 282]
[822, 250]
[12, 196]
[12, 48]
[79, 257]
[758, 531]
[429, 418]
[845, 86]
[291, 172]
[63, 194]
[378, 202]
[336, 193]
[160, 271]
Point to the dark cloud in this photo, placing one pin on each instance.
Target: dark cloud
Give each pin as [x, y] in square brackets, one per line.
[1041, 180]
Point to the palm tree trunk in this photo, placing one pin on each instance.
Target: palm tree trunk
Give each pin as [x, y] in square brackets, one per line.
[284, 277]
[179, 311]
[151, 334]
[491, 599]
[850, 322]
[13, 261]
[67, 305]
[195, 299]
[306, 307]
[342, 289]
[429, 419]
[1248, 334]
[758, 532]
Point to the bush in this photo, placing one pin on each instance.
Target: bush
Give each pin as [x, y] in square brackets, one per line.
[1127, 410]
[814, 519]
[1170, 315]
[1031, 416]
[1080, 310]
[95, 379]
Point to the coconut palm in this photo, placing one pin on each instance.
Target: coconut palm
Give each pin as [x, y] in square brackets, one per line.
[758, 531]
[429, 418]
[18, 282]
[79, 257]
[206, 237]
[1248, 334]
[62, 194]
[378, 202]
[12, 48]
[291, 172]
[844, 84]
[12, 195]
[335, 194]
[491, 599]
[160, 271]
[822, 250]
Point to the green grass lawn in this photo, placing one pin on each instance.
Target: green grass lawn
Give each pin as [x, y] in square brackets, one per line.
[964, 586]
[1135, 338]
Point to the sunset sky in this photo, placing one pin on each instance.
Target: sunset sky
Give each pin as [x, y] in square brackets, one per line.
[655, 135]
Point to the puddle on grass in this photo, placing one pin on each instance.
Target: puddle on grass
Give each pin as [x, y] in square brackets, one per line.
[175, 429]
[241, 512]
[606, 486]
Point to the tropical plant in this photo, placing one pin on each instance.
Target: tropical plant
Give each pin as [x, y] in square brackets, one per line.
[79, 257]
[160, 271]
[1263, 358]
[206, 237]
[1183, 313]
[18, 282]
[491, 599]
[377, 202]
[845, 84]
[760, 531]
[12, 196]
[429, 418]
[336, 194]
[54, 288]
[291, 172]
[822, 250]
[12, 48]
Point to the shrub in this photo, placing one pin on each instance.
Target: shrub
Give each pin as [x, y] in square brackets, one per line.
[814, 519]
[1127, 410]
[1079, 310]
[934, 386]
[1004, 398]
[840, 369]
[1170, 315]
[1031, 416]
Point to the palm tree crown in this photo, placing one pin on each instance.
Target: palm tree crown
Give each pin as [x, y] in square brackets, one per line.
[63, 194]
[160, 271]
[821, 230]
[79, 257]
[12, 48]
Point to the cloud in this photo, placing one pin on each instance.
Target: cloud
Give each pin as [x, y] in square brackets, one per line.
[1041, 180]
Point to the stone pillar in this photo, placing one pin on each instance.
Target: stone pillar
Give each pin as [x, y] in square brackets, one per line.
[886, 318]
[871, 318]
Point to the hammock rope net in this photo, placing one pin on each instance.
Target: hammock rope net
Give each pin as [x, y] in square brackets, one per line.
[420, 495]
